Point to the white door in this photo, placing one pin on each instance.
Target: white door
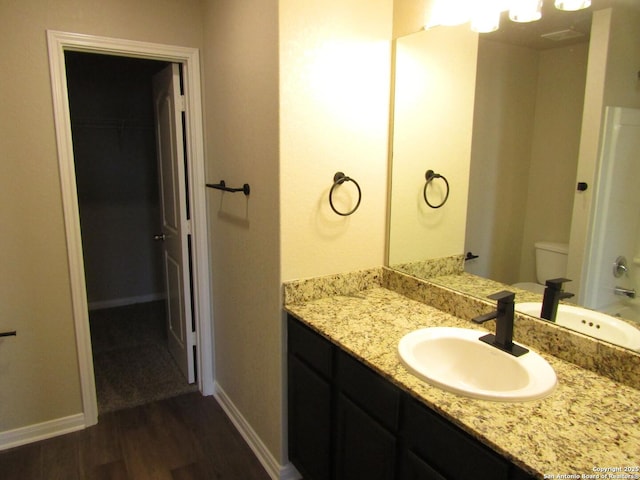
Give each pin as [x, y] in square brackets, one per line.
[169, 105]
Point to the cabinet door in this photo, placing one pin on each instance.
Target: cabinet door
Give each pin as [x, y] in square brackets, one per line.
[416, 469]
[447, 449]
[518, 474]
[365, 450]
[309, 421]
[367, 389]
[310, 347]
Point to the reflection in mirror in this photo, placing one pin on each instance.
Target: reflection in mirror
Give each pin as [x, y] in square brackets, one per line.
[435, 74]
[514, 127]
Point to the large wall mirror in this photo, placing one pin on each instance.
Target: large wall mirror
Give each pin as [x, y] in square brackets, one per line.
[514, 120]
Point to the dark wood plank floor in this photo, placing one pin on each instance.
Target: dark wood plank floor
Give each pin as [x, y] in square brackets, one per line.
[181, 438]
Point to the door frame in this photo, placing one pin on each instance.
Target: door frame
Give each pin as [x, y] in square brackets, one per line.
[58, 43]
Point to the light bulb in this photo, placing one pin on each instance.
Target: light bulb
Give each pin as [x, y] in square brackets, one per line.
[572, 5]
[485, 16]
[486, 22]
[525, 10]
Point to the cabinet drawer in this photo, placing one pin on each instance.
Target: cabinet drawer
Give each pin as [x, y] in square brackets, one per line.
[309, 346]
[447, 449]
[375, 395]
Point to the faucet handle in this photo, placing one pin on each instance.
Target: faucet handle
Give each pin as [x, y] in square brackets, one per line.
[503, 338]
[505, 299]
[504, 296]
[552, 295]
[556, 283]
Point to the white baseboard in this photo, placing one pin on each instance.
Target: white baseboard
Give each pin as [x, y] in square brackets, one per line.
[121, 302]
[41, 431]
[270, 464]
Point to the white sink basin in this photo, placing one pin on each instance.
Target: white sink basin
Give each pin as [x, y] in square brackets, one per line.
[454, 359]
[589, 322]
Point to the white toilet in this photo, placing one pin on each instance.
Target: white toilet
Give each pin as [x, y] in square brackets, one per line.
[551, 262]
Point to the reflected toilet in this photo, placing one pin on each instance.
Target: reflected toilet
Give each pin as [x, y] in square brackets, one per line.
[551, 262]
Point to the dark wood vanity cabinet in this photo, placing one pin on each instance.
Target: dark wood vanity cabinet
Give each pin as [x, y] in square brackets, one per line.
[310, 393]
[346, 422]
[444, 450]
[366, 427]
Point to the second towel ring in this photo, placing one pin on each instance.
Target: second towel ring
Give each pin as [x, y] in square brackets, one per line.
[338, 179]
[430, 175]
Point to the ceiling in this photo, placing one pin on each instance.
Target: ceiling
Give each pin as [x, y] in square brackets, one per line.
[561, 28]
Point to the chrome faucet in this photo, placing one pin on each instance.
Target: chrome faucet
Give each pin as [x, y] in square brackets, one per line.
[625, 292]
[503, 339]
[553, 293]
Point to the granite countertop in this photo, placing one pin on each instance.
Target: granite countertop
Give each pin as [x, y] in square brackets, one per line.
[590, 421]
[482, 287]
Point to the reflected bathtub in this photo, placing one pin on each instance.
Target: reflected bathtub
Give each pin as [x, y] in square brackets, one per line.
[629, 310]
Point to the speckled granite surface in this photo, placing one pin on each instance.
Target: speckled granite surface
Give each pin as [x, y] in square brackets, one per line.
[328, 285]
[589, 421]
[616, 363]
[481, 287]
[433, 267]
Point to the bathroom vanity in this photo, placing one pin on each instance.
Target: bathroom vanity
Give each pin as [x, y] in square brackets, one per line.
[356, 412]
[346, 421]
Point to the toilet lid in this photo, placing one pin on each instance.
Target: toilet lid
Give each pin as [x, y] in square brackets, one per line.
[553, 247]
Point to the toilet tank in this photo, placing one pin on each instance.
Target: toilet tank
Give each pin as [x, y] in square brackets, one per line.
[551, 260]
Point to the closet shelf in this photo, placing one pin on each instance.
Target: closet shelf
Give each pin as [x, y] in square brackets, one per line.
[117, 123]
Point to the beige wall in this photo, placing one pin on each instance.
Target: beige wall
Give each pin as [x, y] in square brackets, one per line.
[525, 149]
[283, 112]
[500, 158]
[433, 119]
[409, 16]
[38, 369]
[241, 90]
[334, 107]
[554, 150]
[623, 86]
[285, 120]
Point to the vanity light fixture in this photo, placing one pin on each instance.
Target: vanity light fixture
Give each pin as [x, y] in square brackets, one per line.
[484, 15]
[523, 11]
[572, 5]
[486, 19]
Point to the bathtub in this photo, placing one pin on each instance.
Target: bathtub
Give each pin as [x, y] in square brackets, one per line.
[627, 309]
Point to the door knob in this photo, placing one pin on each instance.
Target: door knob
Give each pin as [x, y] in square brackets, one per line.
[159, 237]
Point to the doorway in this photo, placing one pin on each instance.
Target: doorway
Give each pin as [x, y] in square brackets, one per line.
[113, 129]
[59, 43]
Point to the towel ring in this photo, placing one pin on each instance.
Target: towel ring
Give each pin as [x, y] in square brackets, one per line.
[338, 179]
[430, 175]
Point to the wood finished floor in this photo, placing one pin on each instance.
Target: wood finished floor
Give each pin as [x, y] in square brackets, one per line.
[181, 438]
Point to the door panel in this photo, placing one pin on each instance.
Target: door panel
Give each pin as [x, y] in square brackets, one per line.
[175, 228]
[175, 325]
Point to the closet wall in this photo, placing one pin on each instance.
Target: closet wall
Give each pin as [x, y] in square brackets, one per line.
[114, 148]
